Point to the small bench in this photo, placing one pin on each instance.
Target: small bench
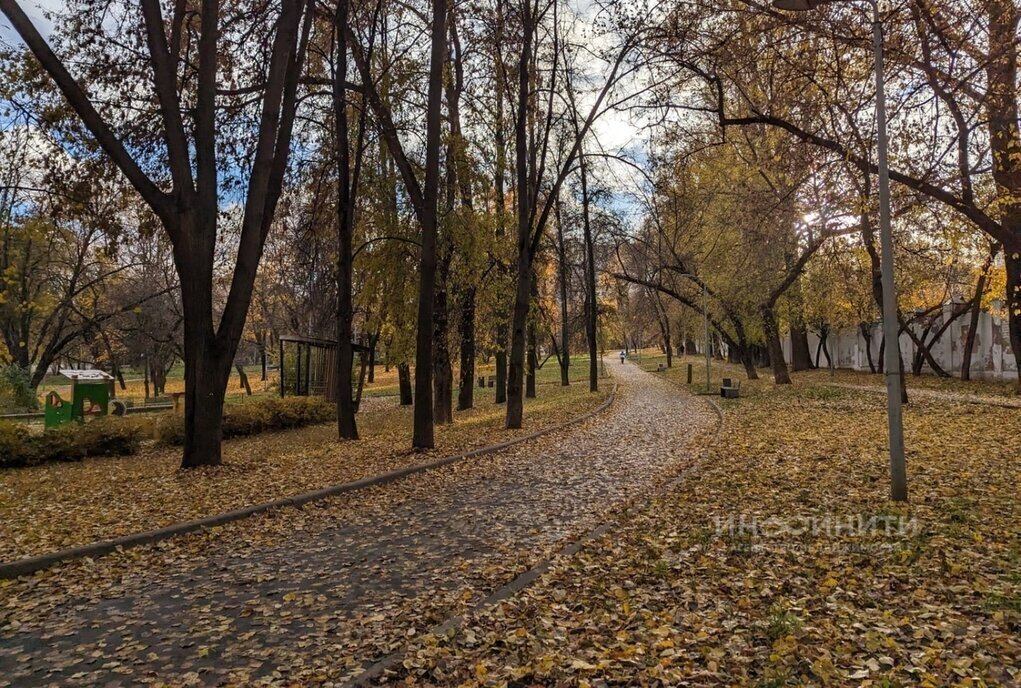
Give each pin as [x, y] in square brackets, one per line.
[731, 389]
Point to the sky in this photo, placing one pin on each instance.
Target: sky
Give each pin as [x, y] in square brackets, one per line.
[615, 132]
[34, 9]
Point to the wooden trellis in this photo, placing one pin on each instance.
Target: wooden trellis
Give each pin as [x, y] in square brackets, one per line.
[308, 366]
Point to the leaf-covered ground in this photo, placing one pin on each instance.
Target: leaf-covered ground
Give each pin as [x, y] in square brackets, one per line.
[310, 596]
[873, 594]
[51, 507]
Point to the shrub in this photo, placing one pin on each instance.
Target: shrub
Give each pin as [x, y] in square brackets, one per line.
[170, 429]
[13, 438]
[73, 442]
[251, 418]
[16, 393]
[247, 419]
[295, 412]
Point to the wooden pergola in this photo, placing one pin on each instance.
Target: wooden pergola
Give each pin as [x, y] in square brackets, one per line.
[308, 366]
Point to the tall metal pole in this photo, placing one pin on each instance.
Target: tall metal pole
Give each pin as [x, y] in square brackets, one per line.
[891, 329]
[708, 357]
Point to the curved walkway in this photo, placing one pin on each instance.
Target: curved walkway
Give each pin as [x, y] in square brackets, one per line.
[316, 594]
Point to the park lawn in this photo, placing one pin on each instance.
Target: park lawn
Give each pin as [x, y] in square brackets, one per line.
[51, 507]
[679, 593]
[650, 359]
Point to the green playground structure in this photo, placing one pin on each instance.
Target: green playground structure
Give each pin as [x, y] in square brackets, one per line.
[90, 398]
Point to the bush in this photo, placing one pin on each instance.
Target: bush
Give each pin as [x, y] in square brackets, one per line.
[13, 439]
[73, 442]
[16, 393]
[247, 419]
[251, 418]
[170, 429]
[294, 412]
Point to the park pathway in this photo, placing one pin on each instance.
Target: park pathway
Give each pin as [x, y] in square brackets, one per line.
[313, 595]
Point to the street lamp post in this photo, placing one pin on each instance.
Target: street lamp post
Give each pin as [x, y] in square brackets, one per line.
[891, 329]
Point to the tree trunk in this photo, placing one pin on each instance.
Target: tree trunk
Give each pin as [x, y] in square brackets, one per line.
[262, 357]
[424, 435]
[748, 361]
[1005, 145]
[533, 362]
[866, 334]
[780, 373]
[501, 364]
[565, 330]
[976, 312]
[516, 367]
[502, 317]
[1012, 259]
[824, 343]
[347, 426]
[801, 355]
[443, 374]
[592, 310]
[525, 200]
[243, 379]
[466, 391]
[205, 383]
[404, 384]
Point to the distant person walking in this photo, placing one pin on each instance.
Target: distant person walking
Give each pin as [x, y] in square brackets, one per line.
[622, 357]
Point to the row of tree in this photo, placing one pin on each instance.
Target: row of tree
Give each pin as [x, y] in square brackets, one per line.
[295, 163]
[430, 179]
[762, 192]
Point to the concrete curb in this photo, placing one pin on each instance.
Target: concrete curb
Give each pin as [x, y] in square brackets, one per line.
[21, 567]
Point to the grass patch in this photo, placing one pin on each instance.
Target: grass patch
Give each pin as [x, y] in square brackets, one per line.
[53, 506]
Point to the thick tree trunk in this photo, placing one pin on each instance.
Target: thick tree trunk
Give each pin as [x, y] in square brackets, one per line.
[424, 435]
[404, 384]
[347, 427]
[1012, 259]
[780, 373]
[1005, 144]
[801, 355]
[206, 371]
[466, 391]
[748, 361]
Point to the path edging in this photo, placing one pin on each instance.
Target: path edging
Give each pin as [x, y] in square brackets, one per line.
[25, 566]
